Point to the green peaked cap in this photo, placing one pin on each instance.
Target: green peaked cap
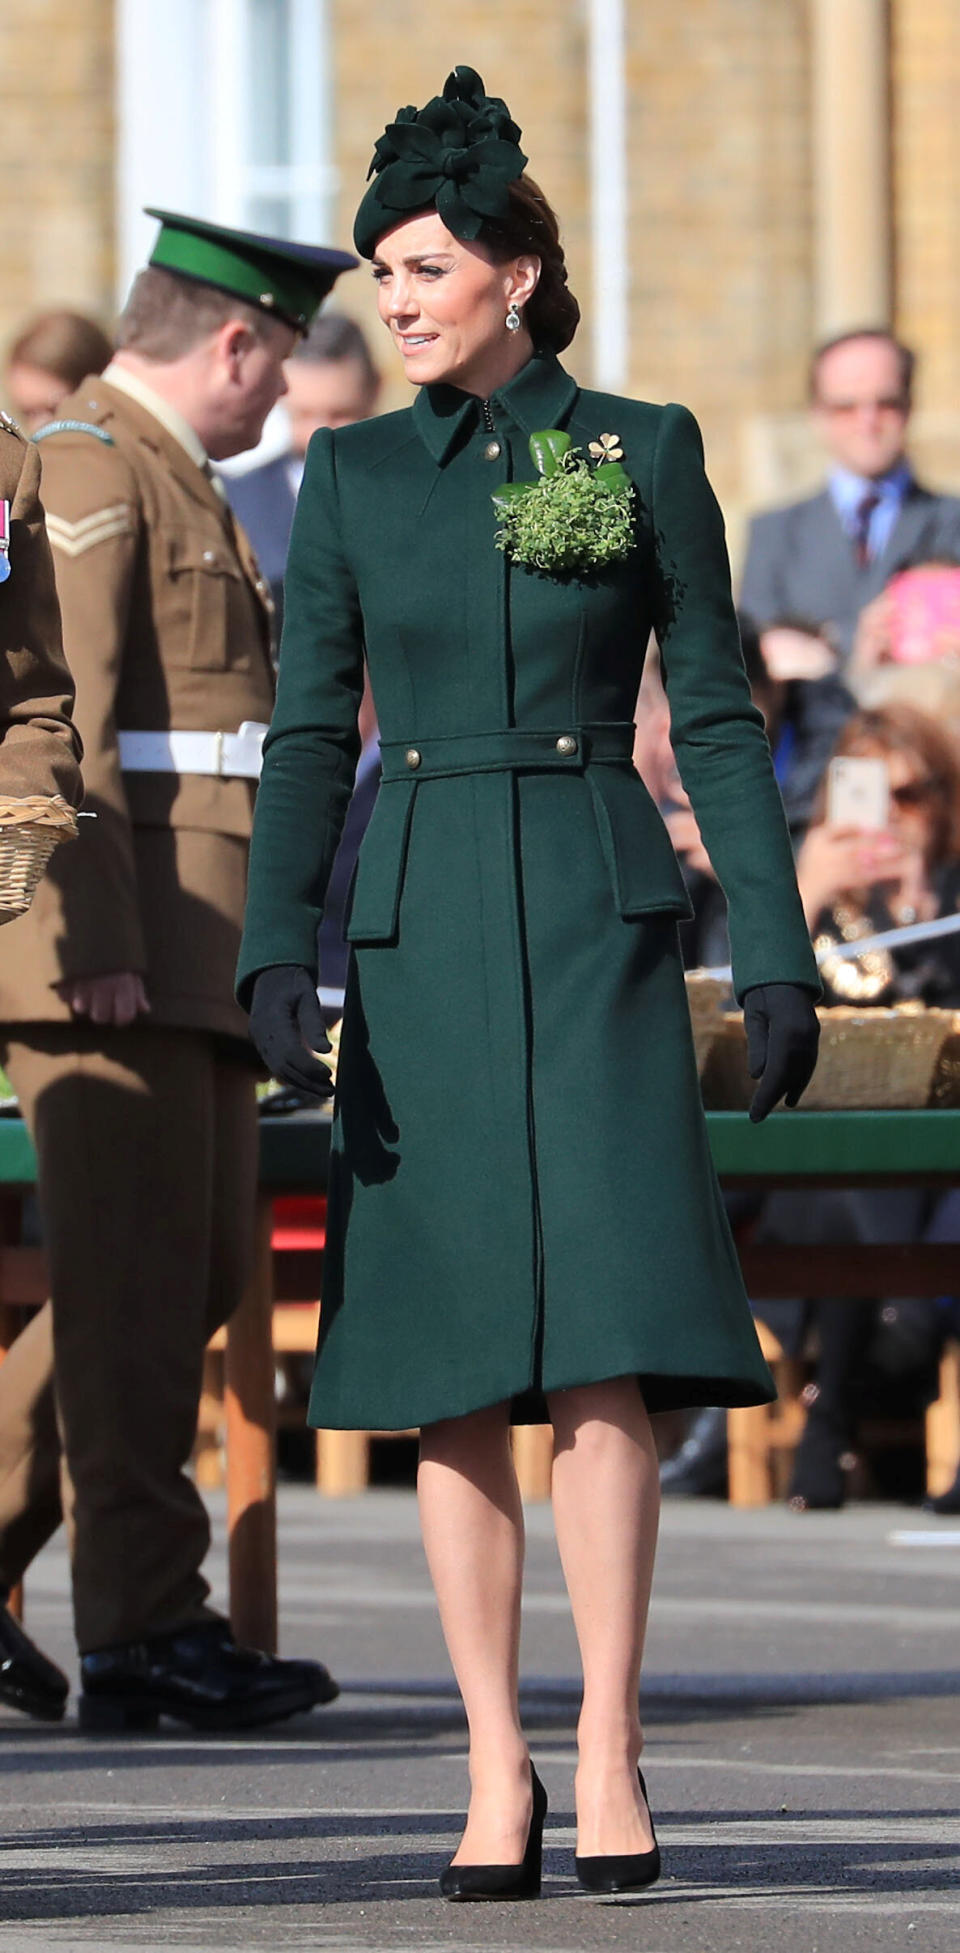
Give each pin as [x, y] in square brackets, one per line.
[288, 281]
[459, 154]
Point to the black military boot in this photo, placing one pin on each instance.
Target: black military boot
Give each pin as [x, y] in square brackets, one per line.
[28, 1681]
[198, 1676]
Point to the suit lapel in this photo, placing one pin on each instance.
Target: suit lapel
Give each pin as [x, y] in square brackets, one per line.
[907, 532]
[824, 541]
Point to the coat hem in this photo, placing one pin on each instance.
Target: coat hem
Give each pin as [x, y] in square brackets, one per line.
[661, 1390]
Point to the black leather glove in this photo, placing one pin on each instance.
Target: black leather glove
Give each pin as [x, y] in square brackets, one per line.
[783, 1033]
[286, 1025]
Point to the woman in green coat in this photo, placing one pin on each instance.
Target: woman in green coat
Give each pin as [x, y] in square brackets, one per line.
[522, 1204]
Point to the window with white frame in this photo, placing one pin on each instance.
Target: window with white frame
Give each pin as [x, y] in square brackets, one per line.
[223, 112]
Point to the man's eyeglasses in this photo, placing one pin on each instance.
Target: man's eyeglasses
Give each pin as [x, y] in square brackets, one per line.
[840, 409]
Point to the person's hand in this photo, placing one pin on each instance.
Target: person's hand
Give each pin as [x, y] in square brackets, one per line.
[681, 825]
[871, 644]
[835, 860]
[783, 1033]
[116, 999]
[286, 1025]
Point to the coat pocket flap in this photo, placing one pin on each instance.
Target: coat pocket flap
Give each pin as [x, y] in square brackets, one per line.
[636, 846]
[375, 900]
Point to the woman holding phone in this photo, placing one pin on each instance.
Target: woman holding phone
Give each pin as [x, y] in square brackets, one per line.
[902, 867]
[523, 1216]
[883, 850]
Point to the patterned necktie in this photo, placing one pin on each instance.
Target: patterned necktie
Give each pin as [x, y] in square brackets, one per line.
[862, 516]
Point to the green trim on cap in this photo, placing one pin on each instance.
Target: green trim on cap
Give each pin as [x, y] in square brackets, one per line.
[288, 281]
[262, 281]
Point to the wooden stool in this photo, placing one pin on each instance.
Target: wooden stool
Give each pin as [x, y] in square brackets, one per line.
[943, 1426]
[761, 1439]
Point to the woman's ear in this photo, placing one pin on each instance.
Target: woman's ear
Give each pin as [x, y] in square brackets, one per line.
[524, 280]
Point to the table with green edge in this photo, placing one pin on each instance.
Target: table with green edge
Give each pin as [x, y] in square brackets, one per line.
[791, 1149]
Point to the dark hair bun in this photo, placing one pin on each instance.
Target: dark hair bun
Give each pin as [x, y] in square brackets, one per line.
[552, 314]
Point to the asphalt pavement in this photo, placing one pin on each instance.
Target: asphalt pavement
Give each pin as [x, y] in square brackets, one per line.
[802, 1707]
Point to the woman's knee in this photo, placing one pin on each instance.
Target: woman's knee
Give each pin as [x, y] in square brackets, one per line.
[598, 1416]
[453, 1438]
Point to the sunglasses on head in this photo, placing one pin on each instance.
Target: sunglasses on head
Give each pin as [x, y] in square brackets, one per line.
[914, 793]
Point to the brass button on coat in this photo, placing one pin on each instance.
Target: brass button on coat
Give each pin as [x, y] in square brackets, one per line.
[413, 758]
[566, 745]
[492, 451]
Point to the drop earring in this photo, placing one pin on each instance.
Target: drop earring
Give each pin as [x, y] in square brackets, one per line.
[514, 320]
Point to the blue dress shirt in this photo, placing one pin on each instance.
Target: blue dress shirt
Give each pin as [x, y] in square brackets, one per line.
[848, 490]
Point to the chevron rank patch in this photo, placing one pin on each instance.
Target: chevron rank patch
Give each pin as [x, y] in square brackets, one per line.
[4, 541]
[75, 538]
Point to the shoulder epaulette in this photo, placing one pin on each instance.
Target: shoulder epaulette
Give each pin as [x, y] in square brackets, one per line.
[75, 427]
[7, 421]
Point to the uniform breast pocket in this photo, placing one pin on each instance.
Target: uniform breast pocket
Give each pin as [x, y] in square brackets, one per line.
[202, 583]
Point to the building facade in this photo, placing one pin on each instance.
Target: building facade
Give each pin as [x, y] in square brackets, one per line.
[733, 176]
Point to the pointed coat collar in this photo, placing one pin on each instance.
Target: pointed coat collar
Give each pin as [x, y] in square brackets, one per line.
[541, 395]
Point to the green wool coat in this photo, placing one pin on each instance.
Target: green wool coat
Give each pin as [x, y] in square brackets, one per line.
[521, 1193]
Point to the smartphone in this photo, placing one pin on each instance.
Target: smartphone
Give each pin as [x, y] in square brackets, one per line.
[858, 793]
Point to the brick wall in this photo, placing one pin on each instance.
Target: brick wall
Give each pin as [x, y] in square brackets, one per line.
[721, 212]
[718, 167]
[396, 51]
[926, 178]
[56, 157]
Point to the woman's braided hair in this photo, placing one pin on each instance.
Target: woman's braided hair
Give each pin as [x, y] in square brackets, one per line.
[552, 314]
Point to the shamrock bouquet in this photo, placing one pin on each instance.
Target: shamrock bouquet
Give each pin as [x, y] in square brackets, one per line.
[573, 517]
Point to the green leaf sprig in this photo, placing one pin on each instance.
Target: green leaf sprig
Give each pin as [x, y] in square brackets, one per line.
[573, 517]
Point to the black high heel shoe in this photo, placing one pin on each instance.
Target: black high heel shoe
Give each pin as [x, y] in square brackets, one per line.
[626, 1871]
[503, 1881]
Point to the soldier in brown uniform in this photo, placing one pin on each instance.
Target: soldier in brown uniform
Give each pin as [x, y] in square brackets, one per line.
[39, 751]
[119, 1028]
[39, 747]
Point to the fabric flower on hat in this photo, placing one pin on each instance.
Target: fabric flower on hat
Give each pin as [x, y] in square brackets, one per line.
[459, 153]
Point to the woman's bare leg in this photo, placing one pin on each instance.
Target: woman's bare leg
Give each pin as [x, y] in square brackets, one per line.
[472, 1523]
[606, 1502]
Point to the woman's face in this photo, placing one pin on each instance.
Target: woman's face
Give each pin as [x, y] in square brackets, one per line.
[913, 799]
[445, 304]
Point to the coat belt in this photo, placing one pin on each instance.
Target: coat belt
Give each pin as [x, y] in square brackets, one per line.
[566, 749]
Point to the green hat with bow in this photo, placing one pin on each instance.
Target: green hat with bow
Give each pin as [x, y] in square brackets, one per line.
[458, 155]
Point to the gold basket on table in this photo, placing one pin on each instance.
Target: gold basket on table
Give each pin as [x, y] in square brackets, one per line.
[706, 997]
[30, 829]
[870, 1060]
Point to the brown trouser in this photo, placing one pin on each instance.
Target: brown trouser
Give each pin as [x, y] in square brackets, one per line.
[147, 1148]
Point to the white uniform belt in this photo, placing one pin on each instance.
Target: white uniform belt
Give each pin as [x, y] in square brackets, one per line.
[224, 755]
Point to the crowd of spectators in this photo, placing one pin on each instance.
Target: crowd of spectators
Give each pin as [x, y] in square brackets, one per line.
[851, 636]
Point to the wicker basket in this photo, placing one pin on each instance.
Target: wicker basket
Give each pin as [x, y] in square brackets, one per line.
[869, 1060]
[30, 829]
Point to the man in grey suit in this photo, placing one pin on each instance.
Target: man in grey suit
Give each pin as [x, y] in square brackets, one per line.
[824, 558]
